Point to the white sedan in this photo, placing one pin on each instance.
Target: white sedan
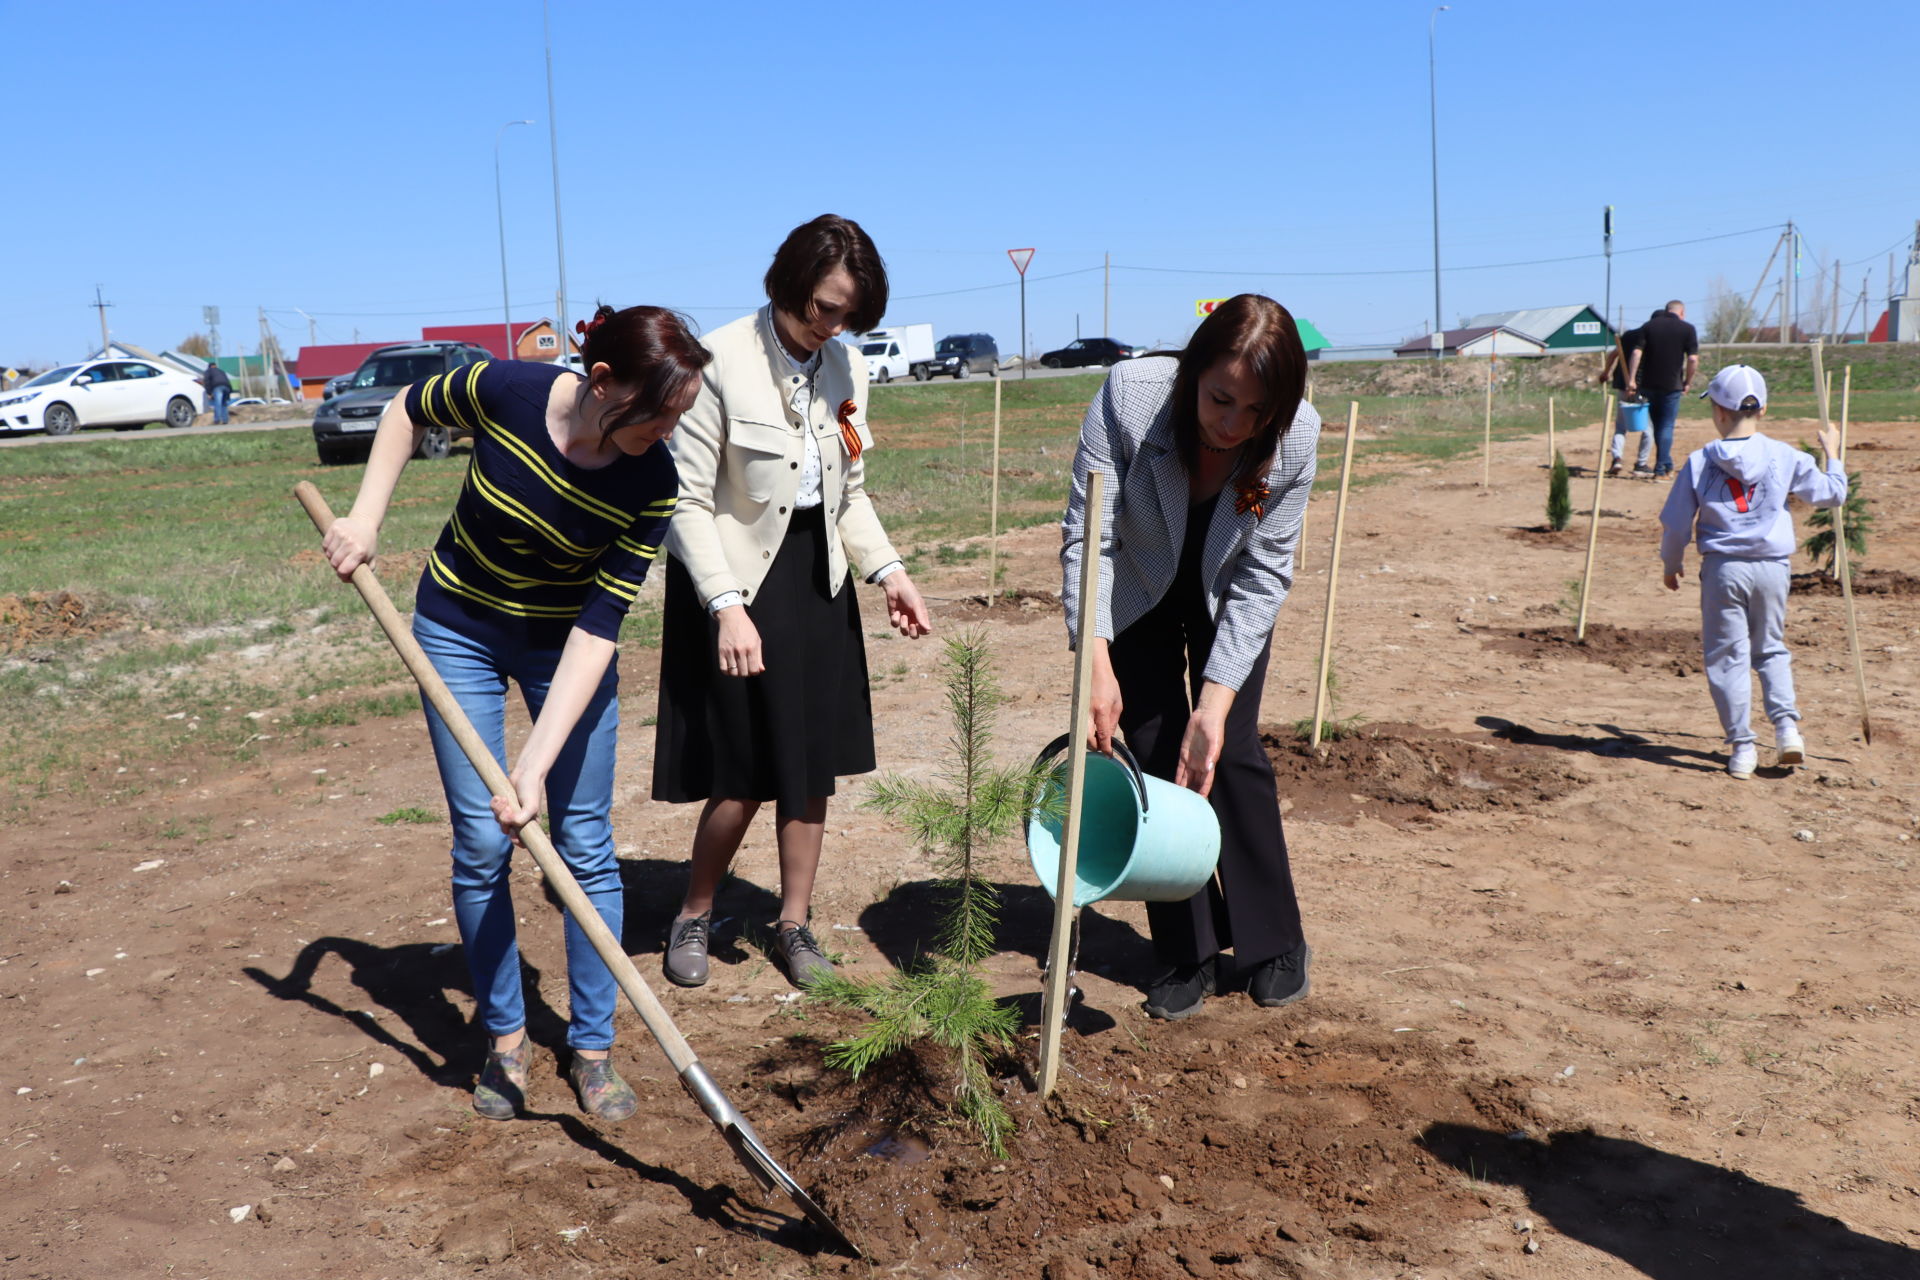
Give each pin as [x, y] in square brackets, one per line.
[100, 393]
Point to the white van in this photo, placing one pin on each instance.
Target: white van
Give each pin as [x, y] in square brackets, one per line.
[897, 352]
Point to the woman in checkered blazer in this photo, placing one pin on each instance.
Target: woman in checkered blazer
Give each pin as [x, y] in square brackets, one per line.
[1209, 458]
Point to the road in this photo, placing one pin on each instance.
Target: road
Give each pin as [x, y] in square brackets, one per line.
[17, 440]
[108, 433]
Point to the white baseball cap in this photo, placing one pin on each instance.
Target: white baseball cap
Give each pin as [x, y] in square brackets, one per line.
[1735, 385]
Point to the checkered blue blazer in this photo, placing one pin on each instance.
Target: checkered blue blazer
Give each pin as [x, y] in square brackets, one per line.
[1247, 563]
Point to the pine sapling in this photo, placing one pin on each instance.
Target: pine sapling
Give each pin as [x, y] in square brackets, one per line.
[943, 997]
[1858, 519]
[1559, 500]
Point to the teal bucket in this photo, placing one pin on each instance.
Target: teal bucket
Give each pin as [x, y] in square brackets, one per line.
[1142, 839]
[1634, 416]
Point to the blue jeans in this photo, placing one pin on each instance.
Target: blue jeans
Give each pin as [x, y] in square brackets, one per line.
[217, 401]
[579, 805]
[1663, 407]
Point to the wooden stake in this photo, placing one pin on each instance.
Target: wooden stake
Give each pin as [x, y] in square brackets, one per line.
[1486, 435]
[1333, 575]
[1550, 448]
[993, 520]
[1053, 1001]
[1593, 525]
[1841, 562]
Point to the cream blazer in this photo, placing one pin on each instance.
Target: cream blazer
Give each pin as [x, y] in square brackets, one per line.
[739, 451]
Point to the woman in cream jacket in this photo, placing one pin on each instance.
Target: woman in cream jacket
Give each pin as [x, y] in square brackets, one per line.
[763, 670]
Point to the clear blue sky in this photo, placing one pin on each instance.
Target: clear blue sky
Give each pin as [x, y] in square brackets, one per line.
[338, 157]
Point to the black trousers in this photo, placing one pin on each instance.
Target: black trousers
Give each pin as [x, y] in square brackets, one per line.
[1250, 907]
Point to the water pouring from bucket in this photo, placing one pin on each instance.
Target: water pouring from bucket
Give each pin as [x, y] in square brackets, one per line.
[1142, 839]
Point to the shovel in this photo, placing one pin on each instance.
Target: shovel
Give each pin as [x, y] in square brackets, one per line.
[733, 1126]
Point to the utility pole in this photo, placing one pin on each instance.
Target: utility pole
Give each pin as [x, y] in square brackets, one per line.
[102, 306]
[1106, 306]
[210, 316]
[1606, 240]
[1833, 308]
[553, 145]
[1786, 284]
[1747, 315]
[1433, 141]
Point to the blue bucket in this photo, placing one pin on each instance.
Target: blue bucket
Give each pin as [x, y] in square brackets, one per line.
[1142, 839]
[1633, 416]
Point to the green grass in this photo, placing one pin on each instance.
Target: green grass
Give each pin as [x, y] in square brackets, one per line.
[412, 814]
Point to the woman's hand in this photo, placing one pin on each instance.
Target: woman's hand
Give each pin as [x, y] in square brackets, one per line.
[348, 544]
[739, 643]
[1103, 702]
[905, 609]
[1200, 750]
[528, 787]
[1673, 579]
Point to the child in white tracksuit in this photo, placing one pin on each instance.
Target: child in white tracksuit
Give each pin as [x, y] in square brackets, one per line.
[1731, 496]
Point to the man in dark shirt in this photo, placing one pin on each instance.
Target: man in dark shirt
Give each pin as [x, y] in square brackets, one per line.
[1614, 369]
[1661, 371]
[219, 391]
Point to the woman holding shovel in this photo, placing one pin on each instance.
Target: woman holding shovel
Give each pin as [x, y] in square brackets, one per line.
[1209, 458]
[763, 670]
[564, 508]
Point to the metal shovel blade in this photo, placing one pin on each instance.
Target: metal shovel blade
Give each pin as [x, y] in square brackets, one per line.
[753, 1154]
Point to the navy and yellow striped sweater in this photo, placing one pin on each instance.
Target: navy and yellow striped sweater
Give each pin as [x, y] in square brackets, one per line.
[536, 544]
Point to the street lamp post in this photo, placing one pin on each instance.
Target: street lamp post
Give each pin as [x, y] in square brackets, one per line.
[500, 213]
[1433, 139]
[553, 145]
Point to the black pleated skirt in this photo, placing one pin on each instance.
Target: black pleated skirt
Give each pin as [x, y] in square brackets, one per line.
[786, 734]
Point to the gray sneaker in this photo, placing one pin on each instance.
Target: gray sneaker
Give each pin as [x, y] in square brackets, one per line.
[685, 962]
[798, 952]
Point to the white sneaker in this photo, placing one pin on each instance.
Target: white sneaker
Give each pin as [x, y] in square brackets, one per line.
[1741, 763]
[1787, 741]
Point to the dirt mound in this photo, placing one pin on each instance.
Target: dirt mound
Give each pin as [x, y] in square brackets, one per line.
[40, 616]
[1866, 582]
[1403, 771]
[1009, 606]
[1622, 648]
[1163, 1154]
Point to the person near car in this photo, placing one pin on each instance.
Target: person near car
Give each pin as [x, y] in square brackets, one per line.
[763, 669]
[1208, 457]
[219, 391]
[1614, 370]
[1661, 370]
[566, 504]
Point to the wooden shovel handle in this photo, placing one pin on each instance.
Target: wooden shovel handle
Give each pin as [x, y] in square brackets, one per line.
[672, 1043]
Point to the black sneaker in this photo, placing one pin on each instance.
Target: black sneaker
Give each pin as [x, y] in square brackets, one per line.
[1179, 993]
[1283, 979]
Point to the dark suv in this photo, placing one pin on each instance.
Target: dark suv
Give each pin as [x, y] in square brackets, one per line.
[961, 354]
[343, 425]
[1089, 351]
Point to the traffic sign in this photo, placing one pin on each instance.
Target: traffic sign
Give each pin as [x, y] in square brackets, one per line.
[1021, 257]
[1205, 306]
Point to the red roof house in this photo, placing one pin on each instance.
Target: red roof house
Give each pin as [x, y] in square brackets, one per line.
[318, 365]
[532, 340]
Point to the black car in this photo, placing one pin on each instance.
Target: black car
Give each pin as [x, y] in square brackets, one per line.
[961, 354]
[1082, 352]
[343, 426]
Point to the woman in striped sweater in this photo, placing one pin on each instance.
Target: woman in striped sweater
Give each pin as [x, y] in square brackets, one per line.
[563, 511]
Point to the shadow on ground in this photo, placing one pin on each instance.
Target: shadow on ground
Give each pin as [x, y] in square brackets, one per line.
[1612, 742]
[1669, 1217]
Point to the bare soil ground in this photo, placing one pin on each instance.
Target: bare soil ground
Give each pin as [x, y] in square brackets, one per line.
[1583, 1006]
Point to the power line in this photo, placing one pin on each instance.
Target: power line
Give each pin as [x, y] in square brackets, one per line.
[1420, 271]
